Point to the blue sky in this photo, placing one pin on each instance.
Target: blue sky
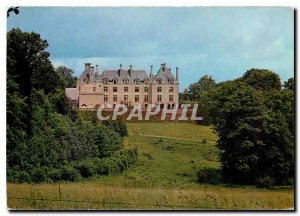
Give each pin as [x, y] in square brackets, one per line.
[220, 41]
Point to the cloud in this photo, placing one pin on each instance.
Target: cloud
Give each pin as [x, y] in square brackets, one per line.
[220, 41]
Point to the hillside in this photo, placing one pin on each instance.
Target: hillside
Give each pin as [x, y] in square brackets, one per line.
[164, 177]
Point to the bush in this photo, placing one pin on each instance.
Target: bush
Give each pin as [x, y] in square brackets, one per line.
[38, 175]
[55, 174]
[107, 141]
[117, 126]
[266, 182]
[86, 168]
[209, 176]
[69, 173]
[18, 176]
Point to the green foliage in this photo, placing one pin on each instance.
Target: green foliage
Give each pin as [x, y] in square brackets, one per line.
[290, 84]
[255, 129]
[46, 138]
[262, 79]
[195, 90]
[69, 173]
[107, 141]
[67, 76]
[209, 176]
[118, 126]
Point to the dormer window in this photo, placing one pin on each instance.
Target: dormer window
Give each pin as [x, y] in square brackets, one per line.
[126, 81]
[159, 81]
[105, 81]
[136, 81]
[115, 81]
[146, 81]
[171, 81]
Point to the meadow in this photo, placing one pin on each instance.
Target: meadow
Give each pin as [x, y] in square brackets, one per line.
[164, 178]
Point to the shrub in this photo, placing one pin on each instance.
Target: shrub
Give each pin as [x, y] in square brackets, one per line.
[208, 176]
[108, 141]
[265, 182]
[86, 168]
[117, 126]
[69, 173]
[38, 174]
[55, 174]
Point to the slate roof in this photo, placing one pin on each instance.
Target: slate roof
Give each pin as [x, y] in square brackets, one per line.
[120, 75]
[72, 93]
[163, 73]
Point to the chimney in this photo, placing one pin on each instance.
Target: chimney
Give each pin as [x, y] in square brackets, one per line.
[92, 70]
[151, 70]
[177, 74]
[97, 69]
[130, 70]
[120, 66]
[163, 66]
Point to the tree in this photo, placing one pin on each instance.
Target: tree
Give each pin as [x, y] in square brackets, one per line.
[29, 68]
[67, 75]
[254, 137]
[262, 79]
[290, 84]
[195, 90]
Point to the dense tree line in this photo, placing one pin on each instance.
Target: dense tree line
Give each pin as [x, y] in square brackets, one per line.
[254, 119]
[46, 138]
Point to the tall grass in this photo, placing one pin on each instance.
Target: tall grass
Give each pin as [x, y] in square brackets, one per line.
[164, 177]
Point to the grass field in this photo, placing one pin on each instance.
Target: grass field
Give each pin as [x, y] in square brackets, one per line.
[164, 177]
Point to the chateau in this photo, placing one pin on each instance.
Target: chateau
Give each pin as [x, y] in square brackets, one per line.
[130, 86]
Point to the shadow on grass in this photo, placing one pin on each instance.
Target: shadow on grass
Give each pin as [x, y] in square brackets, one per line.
[209, 176]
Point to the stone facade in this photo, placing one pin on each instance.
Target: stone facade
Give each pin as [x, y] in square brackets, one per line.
[125, 86]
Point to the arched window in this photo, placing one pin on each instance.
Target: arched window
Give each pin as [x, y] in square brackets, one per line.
[105, 81]
[136, 81]
[83, 106]
[159, 81]
[115, 81]
[171, 81]
[126, 81]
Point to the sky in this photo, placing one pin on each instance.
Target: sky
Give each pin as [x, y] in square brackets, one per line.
[223, 42]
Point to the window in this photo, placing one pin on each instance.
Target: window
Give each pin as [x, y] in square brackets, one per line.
[125, 89]
[145, 98]
[115, 89]
[115, 81]
[136, 89]
[125, 81]
[146, 89]
[171, 98]
[105, 81]
[125, 97]
[136, 98]
[105, 98]
[159, 98]
[170, 89]
[136, 81]
[159, 81]
[146, 81]
[94, 89]
[115, 98]
[159, 89]
[105, 88]
[171, 81]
